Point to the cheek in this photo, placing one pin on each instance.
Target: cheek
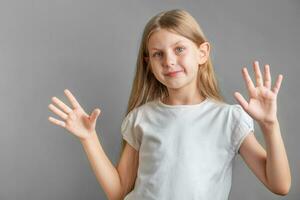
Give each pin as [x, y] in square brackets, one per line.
[153, 66]
[155, 69]
[189, 63]
[194, 58]
[187, 60]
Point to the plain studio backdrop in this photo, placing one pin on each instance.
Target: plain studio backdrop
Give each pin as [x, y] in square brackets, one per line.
[90, 47]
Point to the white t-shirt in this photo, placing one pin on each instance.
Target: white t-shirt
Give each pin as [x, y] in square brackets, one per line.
[185, 151]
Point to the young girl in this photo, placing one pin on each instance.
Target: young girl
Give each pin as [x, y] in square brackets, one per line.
[180, 137]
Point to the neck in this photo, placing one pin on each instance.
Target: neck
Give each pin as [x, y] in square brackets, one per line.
[180, 98]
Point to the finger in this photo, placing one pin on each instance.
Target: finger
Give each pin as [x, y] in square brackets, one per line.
[277, 84]
[72, 99]
[267, 76]
[58, 111]
[241, 100]
[63, 106]
[258, 75]
[57, 122]
[95, 114]
[248, 81]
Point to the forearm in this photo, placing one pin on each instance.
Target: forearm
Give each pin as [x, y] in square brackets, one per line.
[277, 166]
[106, 174]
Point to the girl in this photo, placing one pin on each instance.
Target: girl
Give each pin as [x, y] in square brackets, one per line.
[180, 137]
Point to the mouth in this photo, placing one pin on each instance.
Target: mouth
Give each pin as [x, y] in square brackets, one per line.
[174, 73]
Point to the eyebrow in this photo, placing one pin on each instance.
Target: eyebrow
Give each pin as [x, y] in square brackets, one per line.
[171, 45]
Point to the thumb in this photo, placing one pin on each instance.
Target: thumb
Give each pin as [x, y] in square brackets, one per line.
[95, 114]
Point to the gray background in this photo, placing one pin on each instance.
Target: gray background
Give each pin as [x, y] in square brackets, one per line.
[90, 47]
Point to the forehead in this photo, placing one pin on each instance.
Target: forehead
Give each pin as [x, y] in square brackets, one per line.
[164, 38]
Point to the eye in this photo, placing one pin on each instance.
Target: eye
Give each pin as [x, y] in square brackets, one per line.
[156, 54]
[180, 49]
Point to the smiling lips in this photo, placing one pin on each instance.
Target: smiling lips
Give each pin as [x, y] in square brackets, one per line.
[172, 74]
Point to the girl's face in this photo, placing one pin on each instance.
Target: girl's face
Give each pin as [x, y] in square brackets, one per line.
[174, 59]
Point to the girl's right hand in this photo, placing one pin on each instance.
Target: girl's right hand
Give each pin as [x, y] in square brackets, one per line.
[75, 120]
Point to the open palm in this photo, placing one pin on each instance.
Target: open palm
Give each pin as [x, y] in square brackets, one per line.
[75, 120]
[262, 105]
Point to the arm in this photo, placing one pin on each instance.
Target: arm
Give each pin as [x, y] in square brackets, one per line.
[106, 174]
[277, 166]
[271, 167]
[272, 170]
[115, 182]
[128, 167]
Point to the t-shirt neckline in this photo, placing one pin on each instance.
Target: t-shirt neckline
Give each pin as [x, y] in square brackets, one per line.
[182, 105]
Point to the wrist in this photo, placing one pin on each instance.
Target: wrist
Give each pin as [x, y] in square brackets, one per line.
[269, 126]
[91, 137]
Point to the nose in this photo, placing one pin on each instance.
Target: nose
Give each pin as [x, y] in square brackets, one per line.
[169, 60]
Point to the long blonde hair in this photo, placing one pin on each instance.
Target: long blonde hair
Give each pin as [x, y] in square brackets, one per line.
[145, 86]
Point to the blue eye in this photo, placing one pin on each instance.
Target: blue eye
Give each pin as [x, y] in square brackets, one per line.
[178, 49]
[182, 48]
[156, 53]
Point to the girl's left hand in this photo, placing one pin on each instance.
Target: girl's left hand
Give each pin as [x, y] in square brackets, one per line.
[262, 105]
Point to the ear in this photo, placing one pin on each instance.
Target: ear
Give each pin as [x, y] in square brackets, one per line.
[204, 50]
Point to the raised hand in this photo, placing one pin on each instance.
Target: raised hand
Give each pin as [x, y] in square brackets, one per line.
[75, 119]
[262, 104]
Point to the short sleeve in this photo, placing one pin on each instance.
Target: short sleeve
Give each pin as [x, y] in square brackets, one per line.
[242, 126]
[129, 130]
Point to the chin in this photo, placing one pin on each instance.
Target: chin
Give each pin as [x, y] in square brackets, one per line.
[174, 86]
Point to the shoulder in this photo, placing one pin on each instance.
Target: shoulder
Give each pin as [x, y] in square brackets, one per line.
[235, 111]
[137, 113]
[239, 118]
[222, 108]
[231, 112]
[238, 113]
